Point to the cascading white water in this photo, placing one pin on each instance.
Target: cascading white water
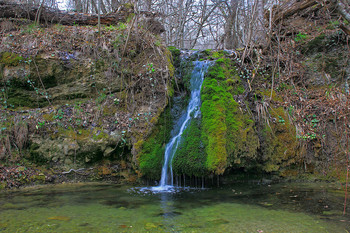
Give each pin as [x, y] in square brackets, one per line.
[193, 110]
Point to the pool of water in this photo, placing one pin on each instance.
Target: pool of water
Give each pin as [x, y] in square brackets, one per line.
[92, 207]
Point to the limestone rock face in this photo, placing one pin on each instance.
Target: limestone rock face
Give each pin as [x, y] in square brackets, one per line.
[83, 98]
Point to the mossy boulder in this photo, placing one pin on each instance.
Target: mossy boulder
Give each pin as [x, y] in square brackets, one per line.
[228, 133]
[10, 59]
[190, 157]
[279, 142]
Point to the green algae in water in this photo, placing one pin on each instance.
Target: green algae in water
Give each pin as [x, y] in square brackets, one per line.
[112, 208]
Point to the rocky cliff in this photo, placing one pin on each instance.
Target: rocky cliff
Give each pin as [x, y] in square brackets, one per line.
[72, 97]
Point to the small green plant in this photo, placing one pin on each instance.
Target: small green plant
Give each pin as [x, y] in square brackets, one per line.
[119, 41]
[59, 114]
[111, 28]
[31, 28]
[101, 97]
[122, 138]
[291, 110]
[150, 68]
[32, 84]
[281, 120]
[333, 24]
[59, 27]
[40, 124]
[314, 122]
[121, 26]
[116, 101]
[157, 43]
[300, 37]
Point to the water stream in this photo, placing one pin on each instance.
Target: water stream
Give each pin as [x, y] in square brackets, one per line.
[193, 110]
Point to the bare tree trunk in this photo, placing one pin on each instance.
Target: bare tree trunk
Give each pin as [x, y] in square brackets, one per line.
[260, 32]
[99, 17]
[87, 6]
[103, 7]
[229, 24]
[148, 5]
[38, 13]
[114, 4]
[78, 6]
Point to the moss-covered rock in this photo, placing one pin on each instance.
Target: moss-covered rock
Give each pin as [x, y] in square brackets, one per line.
[175, 53]
[190, 157]
[228, 134]
[279, 142]
[72, 148]
[10, 59]
[150, 157]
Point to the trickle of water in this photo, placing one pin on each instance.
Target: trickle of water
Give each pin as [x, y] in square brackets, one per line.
[193, 111]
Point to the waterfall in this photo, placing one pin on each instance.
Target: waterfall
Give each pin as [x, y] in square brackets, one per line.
[192, 111]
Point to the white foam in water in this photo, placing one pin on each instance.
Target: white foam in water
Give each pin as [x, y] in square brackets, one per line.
[164, 189]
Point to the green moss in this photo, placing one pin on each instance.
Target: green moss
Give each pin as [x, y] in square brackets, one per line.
[186, 68]
[109, 110]
[333, 25]
[279, 142]
[22, 98]
[190, 158]
[2, 185]
[207, 52]
[173, 57]
[228, 135]
[10, 59]
[266, 94]
[152, 150]
[315, 46]
[175, 54]
[218, 54]
[79, 134]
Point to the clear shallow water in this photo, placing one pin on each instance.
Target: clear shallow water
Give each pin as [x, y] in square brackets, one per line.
[112, 208]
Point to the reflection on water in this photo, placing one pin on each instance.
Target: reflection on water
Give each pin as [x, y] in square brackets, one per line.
[238, 208]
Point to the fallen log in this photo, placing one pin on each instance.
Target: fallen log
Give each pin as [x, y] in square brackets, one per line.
[290, 8]
[51, 15]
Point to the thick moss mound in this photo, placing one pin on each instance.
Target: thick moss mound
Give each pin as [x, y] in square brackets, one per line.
[279, 142]
[190, 158]
[228, 134]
